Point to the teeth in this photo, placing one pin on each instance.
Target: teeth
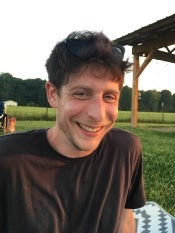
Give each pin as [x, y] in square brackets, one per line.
[89, 129]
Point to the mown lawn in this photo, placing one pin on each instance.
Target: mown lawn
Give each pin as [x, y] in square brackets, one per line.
[159, 164]
[43, 113]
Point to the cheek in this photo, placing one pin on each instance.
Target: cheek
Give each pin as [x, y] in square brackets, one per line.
[70, 108]
[113, 112]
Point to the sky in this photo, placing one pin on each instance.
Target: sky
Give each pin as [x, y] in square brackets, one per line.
[31, 28]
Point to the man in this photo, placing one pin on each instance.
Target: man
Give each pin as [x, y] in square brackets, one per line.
[81, 175]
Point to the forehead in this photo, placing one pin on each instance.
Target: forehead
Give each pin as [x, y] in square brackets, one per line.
[97, 82]
[94, 73]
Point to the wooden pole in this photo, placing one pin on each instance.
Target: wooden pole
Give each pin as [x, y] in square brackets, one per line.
[134, 106]
[137, 70]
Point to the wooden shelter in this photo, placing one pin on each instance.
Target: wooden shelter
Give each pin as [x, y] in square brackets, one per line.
[152, 42]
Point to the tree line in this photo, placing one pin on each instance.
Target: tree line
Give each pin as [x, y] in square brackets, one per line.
[149, 101]
[31, 92]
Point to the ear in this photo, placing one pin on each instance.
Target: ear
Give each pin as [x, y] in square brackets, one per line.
[52, 95]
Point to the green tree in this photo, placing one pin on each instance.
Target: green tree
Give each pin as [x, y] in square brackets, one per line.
[24, 92]
[173, 102]
[149, 100]
[125, 98]
[166, 101]
[5, 88]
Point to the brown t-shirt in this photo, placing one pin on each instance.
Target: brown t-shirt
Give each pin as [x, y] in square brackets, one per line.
[42, 191]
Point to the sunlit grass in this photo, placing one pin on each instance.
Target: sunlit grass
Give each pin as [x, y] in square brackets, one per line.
[159, 164]
[43, 113]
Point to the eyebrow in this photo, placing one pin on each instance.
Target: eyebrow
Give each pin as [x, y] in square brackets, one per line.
[90, 90]
[87, 88]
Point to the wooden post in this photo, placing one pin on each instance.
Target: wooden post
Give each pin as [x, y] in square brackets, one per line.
[134, 105]
[137, 70]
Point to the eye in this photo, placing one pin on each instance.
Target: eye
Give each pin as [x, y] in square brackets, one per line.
[81, 95]
[111, 98]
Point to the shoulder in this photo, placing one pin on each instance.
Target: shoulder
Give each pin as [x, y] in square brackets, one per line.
[122, 144]
[22, 135]
[123, 138]
[15, 142]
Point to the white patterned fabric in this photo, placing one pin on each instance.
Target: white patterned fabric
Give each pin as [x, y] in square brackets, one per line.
[151, 218]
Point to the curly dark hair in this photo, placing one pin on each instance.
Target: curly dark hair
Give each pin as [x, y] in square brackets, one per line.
[85, 48]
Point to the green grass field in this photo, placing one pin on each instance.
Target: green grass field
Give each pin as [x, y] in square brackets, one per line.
[159, 164]
[157, 137]
[41, 113]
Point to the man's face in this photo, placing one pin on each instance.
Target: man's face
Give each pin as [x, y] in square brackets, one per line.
[87, 108]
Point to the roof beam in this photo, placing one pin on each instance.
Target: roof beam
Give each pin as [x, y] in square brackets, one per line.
[160, 42]
[144, 64]
[163, 56]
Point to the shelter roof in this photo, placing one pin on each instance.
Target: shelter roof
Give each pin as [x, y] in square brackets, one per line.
[154, 41]
[160, 34]
[151, 31]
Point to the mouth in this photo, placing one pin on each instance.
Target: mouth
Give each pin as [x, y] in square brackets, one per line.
[89, 129]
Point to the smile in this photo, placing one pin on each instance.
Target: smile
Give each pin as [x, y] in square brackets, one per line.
[89, 129]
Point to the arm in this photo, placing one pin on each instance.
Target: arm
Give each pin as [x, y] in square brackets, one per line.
[127, 224]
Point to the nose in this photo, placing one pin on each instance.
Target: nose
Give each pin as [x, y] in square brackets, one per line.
[97, 109]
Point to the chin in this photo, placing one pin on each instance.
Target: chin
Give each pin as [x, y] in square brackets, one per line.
[87, 147]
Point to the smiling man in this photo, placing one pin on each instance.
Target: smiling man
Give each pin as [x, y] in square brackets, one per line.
[82, 175]
[87, 108]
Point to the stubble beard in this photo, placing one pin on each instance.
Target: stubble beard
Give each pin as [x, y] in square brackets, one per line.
[72, 139]
[75, 144]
